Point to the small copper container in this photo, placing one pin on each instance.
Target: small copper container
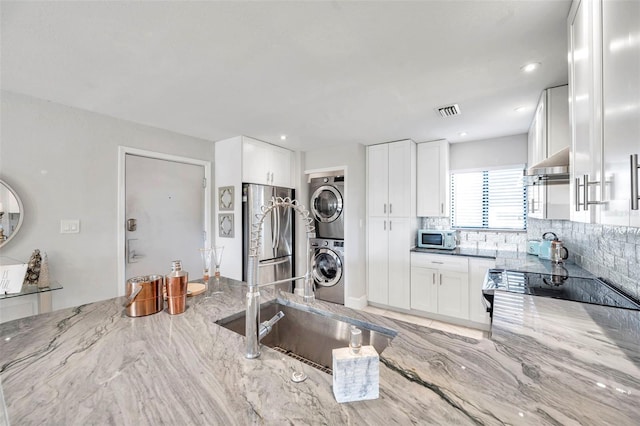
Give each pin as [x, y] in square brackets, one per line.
[176, 286]
[144, 295]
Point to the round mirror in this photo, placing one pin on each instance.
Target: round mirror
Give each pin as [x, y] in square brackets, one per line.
[11, 213]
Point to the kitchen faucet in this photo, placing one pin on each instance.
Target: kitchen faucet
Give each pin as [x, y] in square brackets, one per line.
[254, 330]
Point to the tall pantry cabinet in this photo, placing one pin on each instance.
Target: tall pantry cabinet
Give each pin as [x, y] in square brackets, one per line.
[604, 76]
[391, 222]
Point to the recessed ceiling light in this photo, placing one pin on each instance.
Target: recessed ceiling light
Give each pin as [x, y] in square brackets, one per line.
[530, 67]
[521, 109]
[283, 137]
[463, 134]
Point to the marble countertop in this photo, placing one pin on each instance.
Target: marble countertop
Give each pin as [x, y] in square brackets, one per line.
[515, 261]
[547, 362]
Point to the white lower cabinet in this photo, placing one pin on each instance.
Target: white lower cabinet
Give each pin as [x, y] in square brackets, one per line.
[477, 271]
[440, 284]
[388, 265]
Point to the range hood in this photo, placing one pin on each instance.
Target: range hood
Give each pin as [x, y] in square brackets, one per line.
[554, 168]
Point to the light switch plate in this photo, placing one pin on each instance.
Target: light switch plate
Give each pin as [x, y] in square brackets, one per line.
[70, 226]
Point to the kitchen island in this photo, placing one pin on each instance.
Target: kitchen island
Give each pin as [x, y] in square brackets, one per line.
[547, 362]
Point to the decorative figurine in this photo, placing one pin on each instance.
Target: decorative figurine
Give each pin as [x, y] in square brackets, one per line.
[33, 268]
[43, 279]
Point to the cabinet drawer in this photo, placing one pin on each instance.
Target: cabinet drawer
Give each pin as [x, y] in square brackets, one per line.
[441, 262]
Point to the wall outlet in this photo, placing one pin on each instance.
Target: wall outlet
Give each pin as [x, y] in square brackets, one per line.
[70, 226]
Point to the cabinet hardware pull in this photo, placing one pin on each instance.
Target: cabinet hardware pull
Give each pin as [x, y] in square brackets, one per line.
[433, 278]
[577, 194]
[532, 205]
[585, 189]
[390, 226]
[385, 208]
[385, 225]
[442, 208]
[435, 261]
[634, 182]
[440, 279]
[390, 208]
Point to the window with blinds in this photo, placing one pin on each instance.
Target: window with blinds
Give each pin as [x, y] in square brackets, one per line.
[489, 199]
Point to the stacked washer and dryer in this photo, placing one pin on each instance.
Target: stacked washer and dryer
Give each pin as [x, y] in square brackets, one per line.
[327, 204]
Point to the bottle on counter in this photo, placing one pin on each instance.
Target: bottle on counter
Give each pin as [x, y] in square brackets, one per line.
[176, 284]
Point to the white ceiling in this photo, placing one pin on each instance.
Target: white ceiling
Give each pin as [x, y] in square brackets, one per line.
[324, 73]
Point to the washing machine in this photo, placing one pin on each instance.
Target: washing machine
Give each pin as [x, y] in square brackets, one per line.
[327, 269]
[327, 206]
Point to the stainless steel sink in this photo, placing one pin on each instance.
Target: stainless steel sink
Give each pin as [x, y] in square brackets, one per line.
[308, 334]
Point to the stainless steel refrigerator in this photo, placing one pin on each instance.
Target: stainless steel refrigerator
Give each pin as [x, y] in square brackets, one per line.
[276, 252]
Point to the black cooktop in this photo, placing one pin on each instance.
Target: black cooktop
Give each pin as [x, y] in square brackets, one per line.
[585, 290]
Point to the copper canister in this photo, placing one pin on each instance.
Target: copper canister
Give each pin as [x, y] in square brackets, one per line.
[176, 284]
[144, 295]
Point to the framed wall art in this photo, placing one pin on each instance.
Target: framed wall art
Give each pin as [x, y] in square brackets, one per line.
[225, 225]
[225, 198]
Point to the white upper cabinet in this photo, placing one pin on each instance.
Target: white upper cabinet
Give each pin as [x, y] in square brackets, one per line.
[585, 103]
[433, 179]
[605, 119]
[548, 134]
[621, 109]
[378, 180]
[391, 179]
[266, 164]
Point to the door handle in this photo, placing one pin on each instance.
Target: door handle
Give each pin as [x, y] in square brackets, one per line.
[275, 262]
[132, 225]
[634, 182]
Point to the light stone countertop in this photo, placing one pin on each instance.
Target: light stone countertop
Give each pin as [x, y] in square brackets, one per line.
[547, 362]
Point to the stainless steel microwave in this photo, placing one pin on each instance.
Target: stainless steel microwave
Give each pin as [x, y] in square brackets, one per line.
[437, 239]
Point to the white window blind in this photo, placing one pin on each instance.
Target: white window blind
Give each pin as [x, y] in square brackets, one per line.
[489, 199]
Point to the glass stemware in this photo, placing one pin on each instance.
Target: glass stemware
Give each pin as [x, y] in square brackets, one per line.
[217, 258]
[207, 254]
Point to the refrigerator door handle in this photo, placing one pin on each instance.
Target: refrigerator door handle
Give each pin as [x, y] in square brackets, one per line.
[273, 262]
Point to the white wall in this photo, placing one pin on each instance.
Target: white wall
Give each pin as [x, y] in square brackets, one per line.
[353, 158]
[504, 151]
[63, 163]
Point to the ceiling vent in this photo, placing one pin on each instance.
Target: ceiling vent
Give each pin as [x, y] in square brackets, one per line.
[449, 110]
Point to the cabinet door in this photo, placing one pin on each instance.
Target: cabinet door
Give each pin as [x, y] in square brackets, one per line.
[400, 184]
[538, 132]
[399, 263]
[621, 87]
[378, 180]
[477, 271]
[378, 262]
[585, 96]
[433, 182]
[424, 289]
[453, 294]
[280, 164]
[557, 122]
[255, 166]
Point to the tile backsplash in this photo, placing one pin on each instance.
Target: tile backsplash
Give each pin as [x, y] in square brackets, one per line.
[510, 243]
[609, 252]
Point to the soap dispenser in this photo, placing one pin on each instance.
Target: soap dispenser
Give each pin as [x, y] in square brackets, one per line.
[356, 370]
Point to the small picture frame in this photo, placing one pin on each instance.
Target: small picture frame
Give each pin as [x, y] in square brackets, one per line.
[225, 225]
[225, 198]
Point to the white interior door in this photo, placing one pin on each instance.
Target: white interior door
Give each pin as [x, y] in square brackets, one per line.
[165, 215]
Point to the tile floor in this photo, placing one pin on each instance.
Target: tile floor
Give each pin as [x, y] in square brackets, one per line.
[426, 322]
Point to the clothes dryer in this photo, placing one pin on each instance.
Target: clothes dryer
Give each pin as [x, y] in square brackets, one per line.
[327, 206]
[327, 269]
